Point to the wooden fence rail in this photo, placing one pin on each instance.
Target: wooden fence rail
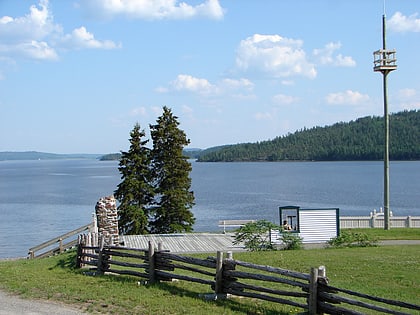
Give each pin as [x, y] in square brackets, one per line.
[309, 291]
[60, 240]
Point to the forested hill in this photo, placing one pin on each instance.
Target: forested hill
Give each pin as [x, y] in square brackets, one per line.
[362, 139]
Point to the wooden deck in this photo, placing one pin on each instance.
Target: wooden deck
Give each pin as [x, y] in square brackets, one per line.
[184, 243]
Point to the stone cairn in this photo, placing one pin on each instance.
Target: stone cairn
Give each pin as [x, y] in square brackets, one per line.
[106, 212]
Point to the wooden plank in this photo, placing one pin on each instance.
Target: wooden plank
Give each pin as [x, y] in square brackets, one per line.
[267, 298]
[189, 260]
[247, 275]
[167, 275]
[240, 286]
[374, 298]
[343, 299]
[284, 272]
[61, 237]
[128, 272]
[127, 264]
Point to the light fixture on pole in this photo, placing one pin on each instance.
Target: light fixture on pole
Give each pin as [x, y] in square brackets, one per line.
[385, 62]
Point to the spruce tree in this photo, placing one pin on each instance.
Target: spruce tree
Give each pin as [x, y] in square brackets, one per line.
[171, 169]
[135, 192]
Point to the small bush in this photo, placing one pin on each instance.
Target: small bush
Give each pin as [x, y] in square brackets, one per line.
[256, 235]
[291, 241]
[352, 239]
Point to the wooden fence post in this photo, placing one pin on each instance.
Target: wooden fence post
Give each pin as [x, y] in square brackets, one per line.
[322, 271]
[100, 265]
[322, 275]
[79, 254]
[151, 254]
[219, 273]
[313, 294]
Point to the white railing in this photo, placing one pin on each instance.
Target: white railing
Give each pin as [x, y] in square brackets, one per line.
[377, 221]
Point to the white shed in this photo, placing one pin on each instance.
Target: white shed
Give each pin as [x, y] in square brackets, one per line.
[312, 225]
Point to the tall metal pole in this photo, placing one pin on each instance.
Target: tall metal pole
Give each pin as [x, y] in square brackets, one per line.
[386, 129]
[385, 62]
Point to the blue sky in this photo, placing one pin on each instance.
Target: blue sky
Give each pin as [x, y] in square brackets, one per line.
[75, 76]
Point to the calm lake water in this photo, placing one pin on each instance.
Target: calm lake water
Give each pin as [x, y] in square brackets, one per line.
[40, 200]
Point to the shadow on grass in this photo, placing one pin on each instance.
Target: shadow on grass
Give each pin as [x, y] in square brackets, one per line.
[233, 304]
[68, 261]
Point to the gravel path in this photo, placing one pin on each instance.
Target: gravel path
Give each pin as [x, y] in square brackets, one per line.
[14, 305]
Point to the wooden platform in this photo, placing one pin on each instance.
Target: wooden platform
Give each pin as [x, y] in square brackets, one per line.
[184, 243]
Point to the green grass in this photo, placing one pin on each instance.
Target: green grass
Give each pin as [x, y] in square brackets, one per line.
[385, 271]
[391, 234]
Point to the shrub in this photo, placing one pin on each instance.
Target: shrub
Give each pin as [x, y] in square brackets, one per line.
[352, 239]
[256, 235]
[291, 241]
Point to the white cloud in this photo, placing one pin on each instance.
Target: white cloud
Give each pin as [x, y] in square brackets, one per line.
[36, 36]
[326, 56]
[347, 97]
[35, 50]
[401, 23]
[80, 38]
[274, 56]
[156, 9]
[185, 82]
[237, 84]
[285, 99]
[25, 36]
[190, 83]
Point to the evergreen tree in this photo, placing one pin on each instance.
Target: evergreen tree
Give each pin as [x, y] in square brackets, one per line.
[173, 199]
[135, 192]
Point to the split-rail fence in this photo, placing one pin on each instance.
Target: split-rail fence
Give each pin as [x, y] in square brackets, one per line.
[58, 244]
[227, 276]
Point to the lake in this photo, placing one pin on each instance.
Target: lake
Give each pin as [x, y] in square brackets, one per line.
[42, 199]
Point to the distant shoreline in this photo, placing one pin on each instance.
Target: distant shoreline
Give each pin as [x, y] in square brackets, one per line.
[35, 155]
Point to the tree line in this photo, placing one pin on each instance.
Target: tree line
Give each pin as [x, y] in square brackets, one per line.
[362, 139]
[154, 194]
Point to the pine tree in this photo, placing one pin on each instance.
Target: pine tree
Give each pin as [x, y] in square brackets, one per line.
[135, 192]
[171, 169]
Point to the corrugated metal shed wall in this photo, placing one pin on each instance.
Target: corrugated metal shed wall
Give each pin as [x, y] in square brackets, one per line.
[317, 225]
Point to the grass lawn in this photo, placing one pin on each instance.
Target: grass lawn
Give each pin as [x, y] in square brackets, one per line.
[385, 271]
[391, 234]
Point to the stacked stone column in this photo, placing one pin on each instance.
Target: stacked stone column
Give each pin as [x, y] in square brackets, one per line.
[106, 212]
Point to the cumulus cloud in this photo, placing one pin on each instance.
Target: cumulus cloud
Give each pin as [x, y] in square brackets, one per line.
[347, 97]
[36, 36]
[186, 82]
[190, 83]
[274, 56]
[325, 56]
[155, 9]
[401, 23]
[80, 38]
